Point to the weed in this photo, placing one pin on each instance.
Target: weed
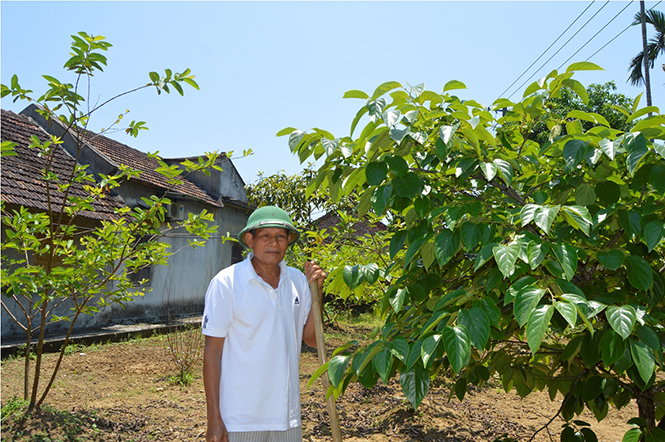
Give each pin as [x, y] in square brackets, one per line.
[15, 406]
[183, 378]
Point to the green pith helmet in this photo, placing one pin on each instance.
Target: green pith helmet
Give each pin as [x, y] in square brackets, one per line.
[269, 216]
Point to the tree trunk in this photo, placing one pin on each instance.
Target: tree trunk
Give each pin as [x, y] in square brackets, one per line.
[645, 59]
[647, 409]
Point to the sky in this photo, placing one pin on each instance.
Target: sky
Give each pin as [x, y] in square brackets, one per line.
[264, 66]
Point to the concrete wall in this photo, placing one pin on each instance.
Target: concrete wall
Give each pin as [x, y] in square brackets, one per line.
[177, 288]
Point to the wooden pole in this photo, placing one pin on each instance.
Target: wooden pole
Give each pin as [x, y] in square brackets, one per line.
[321, 348]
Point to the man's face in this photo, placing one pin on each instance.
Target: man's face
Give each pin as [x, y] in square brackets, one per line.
[269, 244]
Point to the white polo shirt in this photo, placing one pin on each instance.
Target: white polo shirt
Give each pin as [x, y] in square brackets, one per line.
[259, 388]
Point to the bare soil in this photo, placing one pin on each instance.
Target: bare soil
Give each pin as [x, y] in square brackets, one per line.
[122, 392]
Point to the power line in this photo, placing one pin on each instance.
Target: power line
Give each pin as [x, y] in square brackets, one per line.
[595, 35]
[618, 35]
[564, 45]
[545, 51]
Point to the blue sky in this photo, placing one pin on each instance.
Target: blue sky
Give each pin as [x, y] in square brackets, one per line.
[263, 66]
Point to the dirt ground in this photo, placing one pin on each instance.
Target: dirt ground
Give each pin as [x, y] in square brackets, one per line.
[121, 392]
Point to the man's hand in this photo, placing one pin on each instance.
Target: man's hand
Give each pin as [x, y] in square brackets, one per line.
[314, 272]
[217, 431]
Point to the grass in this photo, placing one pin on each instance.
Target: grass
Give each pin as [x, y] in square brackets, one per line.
[62, 426]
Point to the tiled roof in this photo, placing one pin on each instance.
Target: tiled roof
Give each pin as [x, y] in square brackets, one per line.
[361, 227]
[22, 182]
[120, 153]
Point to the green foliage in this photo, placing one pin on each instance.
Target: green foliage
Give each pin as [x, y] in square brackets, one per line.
[333, 246]
[603, 106]
[537, 261]
[13, 407]
[50, 258]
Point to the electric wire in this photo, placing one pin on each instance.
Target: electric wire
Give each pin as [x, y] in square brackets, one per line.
[548, 48]
[594, 36]
[618, 35]
[561, 48]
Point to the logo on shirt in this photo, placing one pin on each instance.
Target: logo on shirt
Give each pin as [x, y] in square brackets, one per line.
[297, 301]
[205, 322]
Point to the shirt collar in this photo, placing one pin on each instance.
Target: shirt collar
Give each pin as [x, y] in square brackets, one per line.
[252, 273]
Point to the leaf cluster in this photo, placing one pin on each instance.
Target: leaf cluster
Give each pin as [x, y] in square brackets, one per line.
[539, 263]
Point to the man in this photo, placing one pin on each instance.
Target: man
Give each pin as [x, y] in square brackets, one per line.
[257, 312]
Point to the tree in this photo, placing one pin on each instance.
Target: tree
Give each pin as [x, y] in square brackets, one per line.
[302, 198]
[539, 263]
[83, 266]
[601, 100]
[287, 192]
[653, 49]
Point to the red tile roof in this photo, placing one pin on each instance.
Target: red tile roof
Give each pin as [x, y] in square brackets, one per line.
[22, 181]
[120, 153]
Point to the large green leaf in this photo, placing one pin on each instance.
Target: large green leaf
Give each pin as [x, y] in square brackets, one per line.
[399, 347]
[336, 368]
[446, 244]
[505, 169]
[383, 88]
[636, 147]
[376, 172]
[415, 384]
[471, 235]
[608, 147]
[428, 349]
[457, 345]
[528, 213]
[409, 186]
[526, 300]
[622, 319]
[632, 435]
[639, 272]
[573, 153]
[506, 256]
[486, 252]
[397, 242]
[654, 232]
[630, 221]
[477, 324]
[452, 85]
[612, 259]
[566, 255]
[585, 195]
[578, 217]
[612, 347]
[544, 217]
[537, 325]
[383, 362]
[593, 387]
[352, 276]
[536, 253]
[583, 66]
[608, 192]
[568, 310]
[489, 170]
[657, 178]
[648, 336]
[380, 198]
[354, 93]
[397, 300]
[643, 358]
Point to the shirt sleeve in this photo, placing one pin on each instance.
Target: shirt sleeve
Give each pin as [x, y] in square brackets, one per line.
[218, 311]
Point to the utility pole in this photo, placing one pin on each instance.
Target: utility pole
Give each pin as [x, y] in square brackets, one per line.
[645, 59]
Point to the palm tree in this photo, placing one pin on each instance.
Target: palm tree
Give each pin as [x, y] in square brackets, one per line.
[654, 47]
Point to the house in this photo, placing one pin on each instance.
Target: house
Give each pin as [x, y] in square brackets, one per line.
[362, 227]
[179, 287]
